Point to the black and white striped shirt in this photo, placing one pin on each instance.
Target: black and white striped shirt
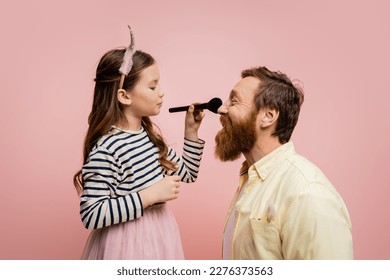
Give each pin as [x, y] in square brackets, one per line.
[121, 164]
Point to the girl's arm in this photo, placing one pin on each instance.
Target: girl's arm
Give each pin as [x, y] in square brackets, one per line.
[188, 164]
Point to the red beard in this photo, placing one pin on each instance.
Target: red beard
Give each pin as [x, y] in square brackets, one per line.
[234, 139]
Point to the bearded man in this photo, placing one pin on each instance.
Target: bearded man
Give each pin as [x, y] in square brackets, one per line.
[284, 207]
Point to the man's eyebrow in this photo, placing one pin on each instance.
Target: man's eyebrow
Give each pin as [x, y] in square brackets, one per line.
[233, 94]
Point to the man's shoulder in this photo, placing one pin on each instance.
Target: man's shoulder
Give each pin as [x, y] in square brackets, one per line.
[306, 171]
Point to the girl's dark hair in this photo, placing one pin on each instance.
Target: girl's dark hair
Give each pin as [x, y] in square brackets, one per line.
[106, 109]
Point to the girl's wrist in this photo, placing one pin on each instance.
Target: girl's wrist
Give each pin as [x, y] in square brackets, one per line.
[191, 135]
[146, 197]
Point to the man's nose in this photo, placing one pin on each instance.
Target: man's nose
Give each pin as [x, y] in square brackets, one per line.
[222, 109]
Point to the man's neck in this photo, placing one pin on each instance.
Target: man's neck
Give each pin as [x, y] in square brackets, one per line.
[261, 149]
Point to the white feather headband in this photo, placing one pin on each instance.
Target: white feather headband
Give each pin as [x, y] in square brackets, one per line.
[127, 59]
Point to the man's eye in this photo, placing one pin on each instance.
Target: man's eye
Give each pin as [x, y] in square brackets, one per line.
[152, 88]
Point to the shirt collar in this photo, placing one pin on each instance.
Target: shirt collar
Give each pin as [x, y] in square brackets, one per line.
[113, 127]
[267, 164]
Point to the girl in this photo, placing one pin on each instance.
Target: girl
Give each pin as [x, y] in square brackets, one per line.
[129, 172]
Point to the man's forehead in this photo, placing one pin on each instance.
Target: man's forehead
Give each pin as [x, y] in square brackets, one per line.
[246, 85]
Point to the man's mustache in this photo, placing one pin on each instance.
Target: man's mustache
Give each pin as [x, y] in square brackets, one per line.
[225, 120]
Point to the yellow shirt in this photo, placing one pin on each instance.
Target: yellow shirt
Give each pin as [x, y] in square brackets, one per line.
[285, 208]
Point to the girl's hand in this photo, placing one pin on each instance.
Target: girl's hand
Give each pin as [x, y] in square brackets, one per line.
[193, 120]
[164, 190]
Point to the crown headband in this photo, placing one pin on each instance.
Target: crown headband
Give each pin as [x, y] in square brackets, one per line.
[127, 59]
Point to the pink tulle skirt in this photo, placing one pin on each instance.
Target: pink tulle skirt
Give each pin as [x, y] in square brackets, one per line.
[154, 236]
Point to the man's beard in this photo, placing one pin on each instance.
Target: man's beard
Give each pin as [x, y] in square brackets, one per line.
[234, 139]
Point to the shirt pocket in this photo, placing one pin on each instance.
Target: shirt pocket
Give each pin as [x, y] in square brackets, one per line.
[266, 239]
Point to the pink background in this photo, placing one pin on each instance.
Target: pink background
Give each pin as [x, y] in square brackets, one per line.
[49, 50]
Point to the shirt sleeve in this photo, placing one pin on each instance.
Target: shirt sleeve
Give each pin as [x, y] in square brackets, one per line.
[317, 226]
[99, 205]
[188, 164]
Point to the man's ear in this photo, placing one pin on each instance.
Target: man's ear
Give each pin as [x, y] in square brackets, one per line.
[270, 116]
[123, 97]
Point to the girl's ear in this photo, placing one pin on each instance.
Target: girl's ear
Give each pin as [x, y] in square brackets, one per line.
[123, 97]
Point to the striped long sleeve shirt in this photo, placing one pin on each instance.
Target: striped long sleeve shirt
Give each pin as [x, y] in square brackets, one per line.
[122, 164]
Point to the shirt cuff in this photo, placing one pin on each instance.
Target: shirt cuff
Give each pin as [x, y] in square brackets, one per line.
[196, 144]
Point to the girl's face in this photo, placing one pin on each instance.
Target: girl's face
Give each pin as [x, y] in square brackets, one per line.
[147, 96]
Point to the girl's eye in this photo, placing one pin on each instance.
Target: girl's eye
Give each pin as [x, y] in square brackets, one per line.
[152, 88]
